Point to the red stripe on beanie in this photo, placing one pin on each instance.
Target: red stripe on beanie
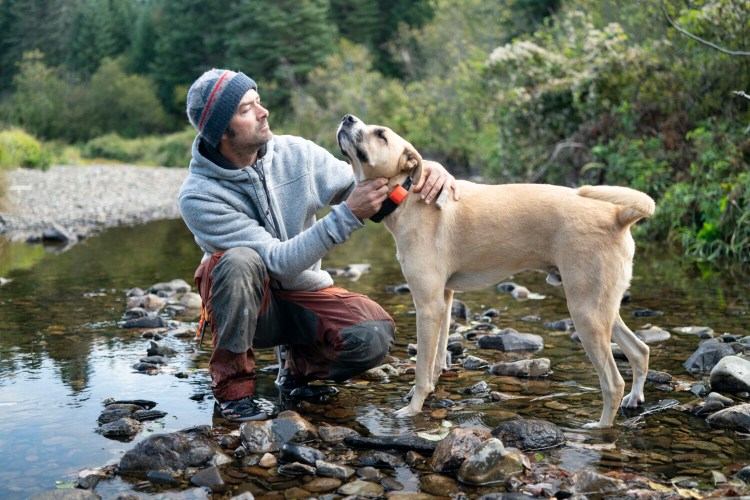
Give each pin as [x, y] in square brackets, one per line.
[211, 99]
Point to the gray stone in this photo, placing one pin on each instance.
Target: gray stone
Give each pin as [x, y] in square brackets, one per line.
[491, 463]
[335, 434]
[209, 478]
[439, 485]
[511, 340]
[376, 458]
[479, 389]
[731, 374]
[176, 286]
[122, 428]
[587, 482]
[191, 300]
[296, 469]
[404, 442]
[329, 469]
[735, 417]
[652, 335]
[474, 363]
[361, 489]
[456, 447]
[293, 452]
[162, 477]
[529, 434]
[703, 332]
[708, 354]
[527, 368]
[115, 412]
[175, 451]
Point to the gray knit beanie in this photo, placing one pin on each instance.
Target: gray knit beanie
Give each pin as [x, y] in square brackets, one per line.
[212, 100]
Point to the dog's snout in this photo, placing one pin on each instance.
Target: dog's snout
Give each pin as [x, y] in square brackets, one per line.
[349, 119]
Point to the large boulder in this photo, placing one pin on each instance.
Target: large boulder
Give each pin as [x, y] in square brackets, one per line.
[731, 374]
[187, 448]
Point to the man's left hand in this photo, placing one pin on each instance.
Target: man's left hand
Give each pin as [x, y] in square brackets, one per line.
[434, 179]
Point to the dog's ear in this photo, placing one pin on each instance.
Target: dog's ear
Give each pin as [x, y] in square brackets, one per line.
[412, 161]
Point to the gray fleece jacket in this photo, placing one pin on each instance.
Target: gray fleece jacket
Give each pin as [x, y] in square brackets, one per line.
[270, 207]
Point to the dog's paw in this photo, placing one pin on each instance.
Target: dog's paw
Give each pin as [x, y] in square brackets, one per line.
[632, 400]
[406, 411]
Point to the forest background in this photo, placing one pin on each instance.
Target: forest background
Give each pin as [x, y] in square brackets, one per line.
[645, 93]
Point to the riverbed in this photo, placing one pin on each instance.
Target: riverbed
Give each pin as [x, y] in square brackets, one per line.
[63, 352]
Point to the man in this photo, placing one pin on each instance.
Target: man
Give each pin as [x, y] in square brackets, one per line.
[250, 200]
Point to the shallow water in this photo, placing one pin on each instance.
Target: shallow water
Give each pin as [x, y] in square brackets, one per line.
[62, 353]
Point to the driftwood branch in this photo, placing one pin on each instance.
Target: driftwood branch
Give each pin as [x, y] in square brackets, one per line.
[741, 94]
[699, 39]
[558, 149]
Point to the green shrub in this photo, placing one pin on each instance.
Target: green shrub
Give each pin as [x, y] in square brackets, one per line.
[171, 150]
[19, 149]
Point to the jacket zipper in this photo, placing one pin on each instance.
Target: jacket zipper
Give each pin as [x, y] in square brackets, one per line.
[258, 167]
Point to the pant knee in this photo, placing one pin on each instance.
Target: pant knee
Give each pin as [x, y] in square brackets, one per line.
[241, 261]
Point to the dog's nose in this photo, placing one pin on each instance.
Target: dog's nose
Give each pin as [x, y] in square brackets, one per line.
[349, 119]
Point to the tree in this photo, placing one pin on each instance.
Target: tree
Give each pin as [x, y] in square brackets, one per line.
[279, 42]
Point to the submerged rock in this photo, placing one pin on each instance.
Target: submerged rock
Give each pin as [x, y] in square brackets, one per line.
[511, 340]
[474, 363]
[527, 368]
[187, 448]
[587, 482]
[492, 463]
[735, 417]
[403, 442]
[708, 354]
[529, 434]
[456, 447]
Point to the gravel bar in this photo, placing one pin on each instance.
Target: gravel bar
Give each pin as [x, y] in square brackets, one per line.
[82, 199]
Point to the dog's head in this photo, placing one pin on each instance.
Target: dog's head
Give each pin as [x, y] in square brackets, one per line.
[376, 151]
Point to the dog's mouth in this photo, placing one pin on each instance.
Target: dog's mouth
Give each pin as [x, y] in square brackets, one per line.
[349, 135]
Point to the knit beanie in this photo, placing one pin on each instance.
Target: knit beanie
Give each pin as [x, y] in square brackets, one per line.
[212, 100]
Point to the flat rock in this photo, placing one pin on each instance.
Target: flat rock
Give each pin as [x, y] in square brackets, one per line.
[731, 374]
[529, 434]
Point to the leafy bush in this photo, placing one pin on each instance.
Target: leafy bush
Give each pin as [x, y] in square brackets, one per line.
[19, 149]
[172, 150]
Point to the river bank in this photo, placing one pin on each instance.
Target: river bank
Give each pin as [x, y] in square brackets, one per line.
[79, 200]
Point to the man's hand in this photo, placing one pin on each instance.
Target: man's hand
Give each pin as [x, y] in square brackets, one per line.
[367, 197]
[434, 178]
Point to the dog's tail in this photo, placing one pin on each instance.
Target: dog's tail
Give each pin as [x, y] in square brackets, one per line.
[635, 205]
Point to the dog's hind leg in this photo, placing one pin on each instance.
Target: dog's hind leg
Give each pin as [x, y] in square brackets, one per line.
[637, 353]
[441, 361]
[431, 311]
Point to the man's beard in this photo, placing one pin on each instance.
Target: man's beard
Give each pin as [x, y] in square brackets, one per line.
[249, 145]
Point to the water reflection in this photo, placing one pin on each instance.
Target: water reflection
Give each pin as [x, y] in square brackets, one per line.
[62, 353]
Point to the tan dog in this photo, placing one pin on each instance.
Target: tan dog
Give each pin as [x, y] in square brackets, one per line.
[581, 237]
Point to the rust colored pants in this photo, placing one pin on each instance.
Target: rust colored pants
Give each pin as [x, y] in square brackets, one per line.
[331, 333]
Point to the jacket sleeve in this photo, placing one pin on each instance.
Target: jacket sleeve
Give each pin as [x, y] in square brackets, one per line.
[219, 224]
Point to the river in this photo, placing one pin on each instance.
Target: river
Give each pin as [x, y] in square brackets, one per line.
[62, 353]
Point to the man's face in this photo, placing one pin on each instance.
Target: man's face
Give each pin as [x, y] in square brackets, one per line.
[248, 129]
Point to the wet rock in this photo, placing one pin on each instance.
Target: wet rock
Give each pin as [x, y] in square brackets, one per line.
[359, 488]
[146, 322]
[455, 348]
[715, 397]
[160, 350]
[123, 428]
[89, 478]
[744, 474]
[59, 234]
[657, 377]
[528, 368]
[708, 354]
[731, 374]
[562, 325]
[459, 310]
[162, 478]
[391, 484]
[587, 482]
[647, 313]
[456, 447]
[481, 388]
[403, 442]
[187, 448]
[529, 434]
[375, 458]
[322, 484]
[136, 312]
[335, 434]
[328, 469]
[736, 417]
[268, 460]
[439, 485]
[142, 403]
[492, 463]
[703, 332]
[209, 478]
[296, 469]
[191, 300]
[173, 286]
[492, 313]
[115, 412]
[67, 494]
[145, 367]
[511, 340]
[292, 452]
[474, 363]
[270, 435]
[374, 375]
[143, 415]
[652, 335]
[370, 473]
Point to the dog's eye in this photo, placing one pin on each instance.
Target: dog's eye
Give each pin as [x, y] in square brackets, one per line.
[381, 134]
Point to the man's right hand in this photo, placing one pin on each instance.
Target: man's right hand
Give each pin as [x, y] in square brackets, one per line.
[367, 197]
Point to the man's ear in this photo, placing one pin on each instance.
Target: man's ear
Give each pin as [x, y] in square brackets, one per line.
[412, 161]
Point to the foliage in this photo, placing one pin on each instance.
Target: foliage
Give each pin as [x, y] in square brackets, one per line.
[19, 149]
[172, 150]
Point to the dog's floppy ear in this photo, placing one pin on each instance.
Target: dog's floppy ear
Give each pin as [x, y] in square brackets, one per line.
[412, 161]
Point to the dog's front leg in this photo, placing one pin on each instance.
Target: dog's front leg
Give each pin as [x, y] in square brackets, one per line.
[430, 314]
[441, 354]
